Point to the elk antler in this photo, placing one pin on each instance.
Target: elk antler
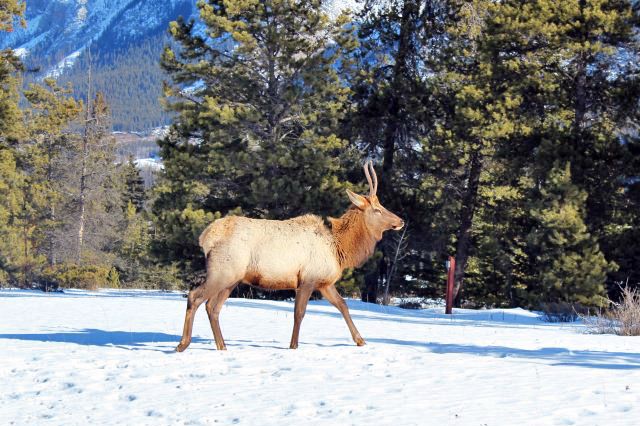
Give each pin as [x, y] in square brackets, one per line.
[375, 178]
[373, 186]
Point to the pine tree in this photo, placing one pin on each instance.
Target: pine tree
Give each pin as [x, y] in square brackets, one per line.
[569, 63]
[570, 265]
[52, 109]
[393, 110]
[10, 115]
[10, 12]
[134, 191]
[95, 164]
[11, 128]
[473, 119]
[259, 101]
[11, 202]
[135, 244]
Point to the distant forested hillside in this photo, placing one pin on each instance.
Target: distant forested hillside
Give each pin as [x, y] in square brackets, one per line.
[131, 80]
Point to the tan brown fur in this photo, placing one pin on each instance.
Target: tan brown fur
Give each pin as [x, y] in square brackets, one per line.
[353, 241]
[300, 254]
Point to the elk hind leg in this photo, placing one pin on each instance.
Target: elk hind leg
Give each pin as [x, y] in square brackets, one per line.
[214, 306]
[194, 300]
[303, 294]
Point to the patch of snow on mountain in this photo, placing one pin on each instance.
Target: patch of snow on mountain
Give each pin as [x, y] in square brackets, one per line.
[67, 62]
[21, 52]
[335, 7]
[148, 163]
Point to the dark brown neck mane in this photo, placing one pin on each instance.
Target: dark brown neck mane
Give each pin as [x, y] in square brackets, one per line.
[354, 242]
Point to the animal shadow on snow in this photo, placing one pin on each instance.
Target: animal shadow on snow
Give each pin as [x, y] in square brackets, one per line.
[553, 356]
[94, 337]
[382, 313]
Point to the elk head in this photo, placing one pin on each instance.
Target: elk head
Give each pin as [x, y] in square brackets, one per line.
[376, 217]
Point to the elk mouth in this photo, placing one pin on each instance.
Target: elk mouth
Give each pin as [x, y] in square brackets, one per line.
[398, 227]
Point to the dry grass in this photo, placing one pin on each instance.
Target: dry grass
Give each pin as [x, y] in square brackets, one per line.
[622, 318]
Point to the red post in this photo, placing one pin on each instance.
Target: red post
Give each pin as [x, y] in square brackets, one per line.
[452, 267]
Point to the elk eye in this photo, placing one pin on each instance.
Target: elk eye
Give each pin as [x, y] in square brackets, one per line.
[378, 211]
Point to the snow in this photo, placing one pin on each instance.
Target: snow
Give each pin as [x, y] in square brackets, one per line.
[160, 132]
[334, 8]
[21, 52]
[107, 357]
[67, 62]
[148, 163]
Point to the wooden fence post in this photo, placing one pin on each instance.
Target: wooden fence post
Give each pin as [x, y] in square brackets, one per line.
[451, 266]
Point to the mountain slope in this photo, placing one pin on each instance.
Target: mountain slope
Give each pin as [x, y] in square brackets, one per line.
[125, 38]
[58, 28]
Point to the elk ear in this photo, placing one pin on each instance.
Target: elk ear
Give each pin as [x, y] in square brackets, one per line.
[358, 200]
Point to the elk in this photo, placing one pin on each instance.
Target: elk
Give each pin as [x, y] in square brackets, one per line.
[300, 254]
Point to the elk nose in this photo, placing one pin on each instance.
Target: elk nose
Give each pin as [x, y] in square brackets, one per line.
[399, 226]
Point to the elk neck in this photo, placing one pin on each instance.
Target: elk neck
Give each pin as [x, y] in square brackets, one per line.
[354, 242]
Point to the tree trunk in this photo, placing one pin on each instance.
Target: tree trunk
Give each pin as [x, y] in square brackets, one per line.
[372, 281]
[409, 15]
[400, 246]
[25, 231]
[466, 220]
[394, 119]
[52, 206]
[52, 249]
[370, 291]
[83, 170]
[81, 221]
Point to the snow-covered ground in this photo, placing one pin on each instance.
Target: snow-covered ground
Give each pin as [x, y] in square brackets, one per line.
[107, 358]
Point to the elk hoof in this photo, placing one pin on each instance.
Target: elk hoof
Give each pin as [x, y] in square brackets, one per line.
[293, 346]
[360, 341]
[181, 347]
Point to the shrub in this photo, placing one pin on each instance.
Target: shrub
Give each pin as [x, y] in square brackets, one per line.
[563, 311]
[627, 313]
[622, 318]
[410, 305]
[156, 277]
[89, 277]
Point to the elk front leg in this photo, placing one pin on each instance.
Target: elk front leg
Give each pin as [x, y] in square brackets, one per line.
[303, 294]
[214, 306]
[331, 294]
[194, 300]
